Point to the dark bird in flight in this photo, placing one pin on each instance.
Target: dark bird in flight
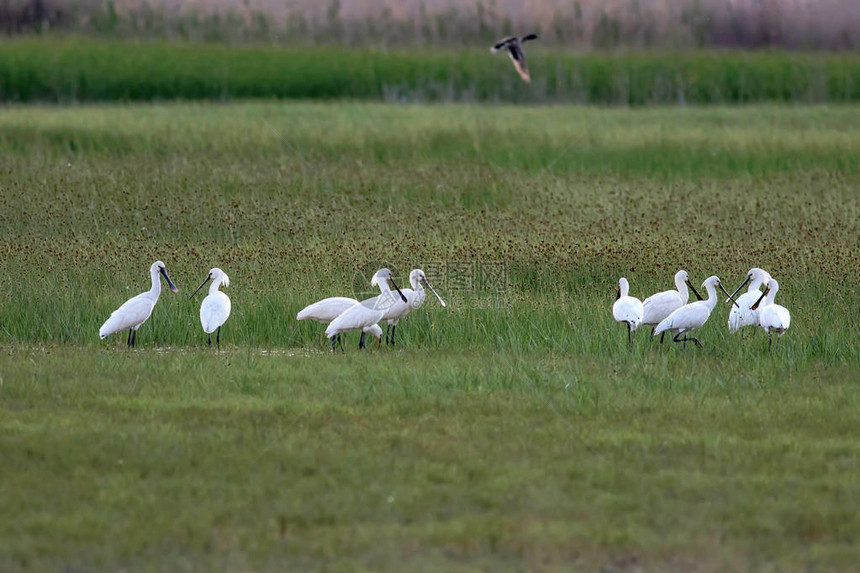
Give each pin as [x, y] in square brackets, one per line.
[515, 51]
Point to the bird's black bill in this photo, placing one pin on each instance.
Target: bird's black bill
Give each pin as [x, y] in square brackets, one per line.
[761, 298]
[442, 302]
[200, 287]
[403, 296]
[746, 280]
[529, 37]
[172, 286]
[728, 295]
[695, 292]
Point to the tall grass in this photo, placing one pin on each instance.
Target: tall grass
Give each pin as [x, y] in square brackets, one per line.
[523, 218]
[84, 70]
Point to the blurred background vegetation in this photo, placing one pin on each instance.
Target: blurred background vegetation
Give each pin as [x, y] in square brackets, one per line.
[615, 52]
[580, 24]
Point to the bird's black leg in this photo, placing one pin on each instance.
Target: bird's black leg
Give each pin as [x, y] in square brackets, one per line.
[629, 339]
[696, 340]
[361, 340]
[393, 328]
[769, 340]
[133, 337]
[387, 329]
[209, 339]
[218, 338]
[128, 342]
[684, 340]
[334, 342]
[662, 334]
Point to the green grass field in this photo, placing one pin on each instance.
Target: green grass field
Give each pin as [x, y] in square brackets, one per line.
[82, 70]
[512, 430]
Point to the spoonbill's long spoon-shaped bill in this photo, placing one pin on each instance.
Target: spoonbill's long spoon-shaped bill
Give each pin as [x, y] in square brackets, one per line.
[215, 309]
[427, 284]
[755, 275]
[136, 310]
[397, 288]
[415, 299]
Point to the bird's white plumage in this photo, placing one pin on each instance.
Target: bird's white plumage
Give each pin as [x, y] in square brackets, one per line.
[215, 308]
[692, 315]
[357, 317]
[327, 309]
[627, 309]
[743, 314]
[660, 305]
[366, 314]
[136, 310]
[773, 317]
[132, 314]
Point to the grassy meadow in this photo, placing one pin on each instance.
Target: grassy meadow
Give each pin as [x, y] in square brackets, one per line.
[74, 69]
[512, 430]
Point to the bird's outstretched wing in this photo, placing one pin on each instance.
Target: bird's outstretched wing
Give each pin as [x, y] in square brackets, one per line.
[501, 44]
[519, 60]
[529, 37]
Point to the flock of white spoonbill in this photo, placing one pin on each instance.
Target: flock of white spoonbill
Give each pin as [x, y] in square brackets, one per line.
[341, 314]
[669, 311]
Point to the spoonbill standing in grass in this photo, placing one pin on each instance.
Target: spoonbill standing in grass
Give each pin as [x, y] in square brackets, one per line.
[660, 305]
[367, 312]
[327, 309]
[772, 317]
[215, 309]
[743, 314]
[414, 299]
[136, 310]
[693, 315]
[627, 309]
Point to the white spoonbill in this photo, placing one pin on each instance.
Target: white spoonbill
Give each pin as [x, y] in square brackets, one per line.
[693, 315]
[627, 309]
[327, 309]
[414, 299]
[368, 312]
[215, 309]
[660, 305]
[772, 317]
[136, 310]
[743, 314]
